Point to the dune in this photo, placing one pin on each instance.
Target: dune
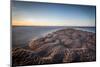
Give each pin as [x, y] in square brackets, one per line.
[62, 46]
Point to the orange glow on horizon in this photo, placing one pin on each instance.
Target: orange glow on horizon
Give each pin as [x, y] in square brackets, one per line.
[21, 23]
[28, 23]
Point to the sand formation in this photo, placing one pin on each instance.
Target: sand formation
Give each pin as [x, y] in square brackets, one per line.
[62, 46]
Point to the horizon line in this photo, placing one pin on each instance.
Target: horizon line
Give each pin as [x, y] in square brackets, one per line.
[48, 26]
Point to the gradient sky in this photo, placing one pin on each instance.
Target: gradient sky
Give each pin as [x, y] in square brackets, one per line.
[47, 14]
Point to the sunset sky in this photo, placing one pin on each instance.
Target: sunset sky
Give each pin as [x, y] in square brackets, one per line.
[47, 14]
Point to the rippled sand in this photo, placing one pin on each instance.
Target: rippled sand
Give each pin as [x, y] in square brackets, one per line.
[62, 46]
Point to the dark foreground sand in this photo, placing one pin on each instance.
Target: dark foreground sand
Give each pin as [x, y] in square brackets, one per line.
[62, 46]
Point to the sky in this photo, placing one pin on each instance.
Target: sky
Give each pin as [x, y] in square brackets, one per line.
[51, 14]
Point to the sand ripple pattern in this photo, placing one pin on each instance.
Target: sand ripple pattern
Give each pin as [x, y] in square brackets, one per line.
[62, 46]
